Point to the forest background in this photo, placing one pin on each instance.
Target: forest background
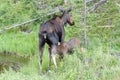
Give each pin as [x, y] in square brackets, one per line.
[97, 23]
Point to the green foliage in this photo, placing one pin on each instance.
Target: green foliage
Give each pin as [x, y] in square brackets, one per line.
[100, 66]
[96, 63]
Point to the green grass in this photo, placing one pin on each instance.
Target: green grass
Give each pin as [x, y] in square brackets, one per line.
[19, 42]
[86, 66]
[95, 64]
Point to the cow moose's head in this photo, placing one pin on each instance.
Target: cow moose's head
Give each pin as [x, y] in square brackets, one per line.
[67, 16]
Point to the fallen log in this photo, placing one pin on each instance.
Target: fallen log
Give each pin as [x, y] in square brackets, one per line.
[21, 24]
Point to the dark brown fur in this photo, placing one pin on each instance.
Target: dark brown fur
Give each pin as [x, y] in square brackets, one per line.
[52, 32]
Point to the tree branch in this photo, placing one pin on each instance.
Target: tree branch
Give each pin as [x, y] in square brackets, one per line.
[93, 8]
[18, 25]
[118, 4]
[87, 1]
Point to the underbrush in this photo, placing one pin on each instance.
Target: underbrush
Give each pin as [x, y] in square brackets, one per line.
[94, 64]
[100, 61]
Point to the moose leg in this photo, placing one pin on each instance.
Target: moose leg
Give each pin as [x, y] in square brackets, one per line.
[53, 54]
[41, 54]
[41, 48]
[63, 36]
[61, 56]
[54, 40]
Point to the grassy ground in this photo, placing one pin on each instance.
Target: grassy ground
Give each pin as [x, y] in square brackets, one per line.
[96, 63]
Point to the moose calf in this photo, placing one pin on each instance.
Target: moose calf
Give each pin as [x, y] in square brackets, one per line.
[67, 47]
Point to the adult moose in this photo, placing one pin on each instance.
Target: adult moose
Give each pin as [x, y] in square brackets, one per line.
[52, 32]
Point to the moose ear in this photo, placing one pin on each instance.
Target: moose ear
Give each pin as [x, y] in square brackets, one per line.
[61, 9]
[70, 9]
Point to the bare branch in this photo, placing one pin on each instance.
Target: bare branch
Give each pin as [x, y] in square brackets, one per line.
[97, 5]
[87, 1]
[17, 25]
[104, 26]
[27, 22]
[53, 13]
[118, 4]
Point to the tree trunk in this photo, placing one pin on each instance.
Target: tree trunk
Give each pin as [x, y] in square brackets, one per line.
[85, 37]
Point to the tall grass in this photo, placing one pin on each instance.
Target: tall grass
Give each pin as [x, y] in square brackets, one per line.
[94, 64]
